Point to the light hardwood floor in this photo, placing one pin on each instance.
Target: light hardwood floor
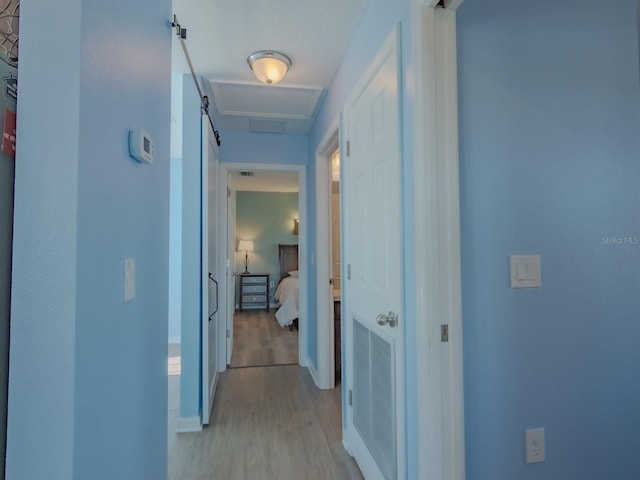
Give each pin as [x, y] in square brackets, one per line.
[258, 340]
[268, 423]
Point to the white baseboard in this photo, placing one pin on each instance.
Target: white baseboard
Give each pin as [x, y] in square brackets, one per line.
[314, 374]
[188, 424]
[345, 445]
[256, 307]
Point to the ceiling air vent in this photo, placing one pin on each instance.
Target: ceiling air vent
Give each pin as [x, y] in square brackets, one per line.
[246, 174]
[265, 125]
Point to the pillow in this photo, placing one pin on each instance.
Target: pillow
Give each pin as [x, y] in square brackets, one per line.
[293, 274]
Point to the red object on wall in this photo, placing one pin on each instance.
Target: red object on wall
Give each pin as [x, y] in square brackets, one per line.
[9, 133]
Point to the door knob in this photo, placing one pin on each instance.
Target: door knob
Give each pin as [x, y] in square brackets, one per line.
[391, 319]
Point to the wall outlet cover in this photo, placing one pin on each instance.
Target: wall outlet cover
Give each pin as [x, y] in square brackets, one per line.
[534, 445]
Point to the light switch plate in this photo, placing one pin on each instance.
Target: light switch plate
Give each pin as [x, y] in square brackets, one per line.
[129, 279]
[525, 271]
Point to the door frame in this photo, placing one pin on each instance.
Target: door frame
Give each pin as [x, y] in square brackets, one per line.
[230, 279]
[439, 379]
[324, 313]
[223, 183]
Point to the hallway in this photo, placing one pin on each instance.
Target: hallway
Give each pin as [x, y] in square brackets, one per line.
[259, 341]
[267, 423]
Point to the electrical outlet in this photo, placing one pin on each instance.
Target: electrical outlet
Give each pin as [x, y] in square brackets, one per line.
[534, 445]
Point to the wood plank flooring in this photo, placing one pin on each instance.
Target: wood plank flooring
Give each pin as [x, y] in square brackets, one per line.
[267, 423]
[258, 340]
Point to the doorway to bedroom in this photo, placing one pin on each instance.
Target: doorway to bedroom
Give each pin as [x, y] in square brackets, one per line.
[265, 318]
[264, 295]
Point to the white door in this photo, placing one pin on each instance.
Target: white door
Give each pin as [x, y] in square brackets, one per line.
[209, 283]
[373, 280]
[231, 277]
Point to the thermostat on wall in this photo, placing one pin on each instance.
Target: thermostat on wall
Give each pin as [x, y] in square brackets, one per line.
[141, 146]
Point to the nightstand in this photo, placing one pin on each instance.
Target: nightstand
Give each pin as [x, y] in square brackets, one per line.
[254, 290]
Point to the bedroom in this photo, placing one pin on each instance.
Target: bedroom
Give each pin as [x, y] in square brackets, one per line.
[265, 307]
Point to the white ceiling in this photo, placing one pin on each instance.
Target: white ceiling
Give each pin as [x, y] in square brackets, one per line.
[221, 34]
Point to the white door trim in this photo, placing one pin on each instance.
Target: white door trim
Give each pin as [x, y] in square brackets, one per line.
[324, 312]
[439, 299]
[301, 170]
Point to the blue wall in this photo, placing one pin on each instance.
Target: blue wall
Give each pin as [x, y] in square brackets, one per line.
[175, 233]
[88, 383]
[191, 321]
[549, 140]
[275, 148]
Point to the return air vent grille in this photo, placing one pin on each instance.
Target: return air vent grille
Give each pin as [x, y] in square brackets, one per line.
[262, 125]
[374, 396]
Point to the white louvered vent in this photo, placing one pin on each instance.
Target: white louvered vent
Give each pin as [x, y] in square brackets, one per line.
[266, 125]
[374, 396]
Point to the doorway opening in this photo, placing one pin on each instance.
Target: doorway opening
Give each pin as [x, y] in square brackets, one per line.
[328, 272]
[265, 268]
[248, 295]
[335, 267]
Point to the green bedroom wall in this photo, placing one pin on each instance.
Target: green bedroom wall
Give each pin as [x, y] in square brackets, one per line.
[267, 219]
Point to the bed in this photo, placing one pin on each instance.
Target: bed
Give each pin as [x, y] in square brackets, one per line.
[288, 290]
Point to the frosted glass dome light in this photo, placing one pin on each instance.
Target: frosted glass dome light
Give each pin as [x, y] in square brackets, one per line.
[268, 66]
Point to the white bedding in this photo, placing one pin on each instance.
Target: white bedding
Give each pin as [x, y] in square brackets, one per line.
[287, 295]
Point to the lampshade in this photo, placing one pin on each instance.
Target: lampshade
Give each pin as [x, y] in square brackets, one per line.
[245, 246]
[296, 226]
[269, 66]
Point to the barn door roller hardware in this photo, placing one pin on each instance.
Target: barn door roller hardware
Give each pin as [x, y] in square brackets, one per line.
[181, 33]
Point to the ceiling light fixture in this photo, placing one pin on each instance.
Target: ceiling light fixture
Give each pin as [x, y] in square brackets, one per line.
[269, 66]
